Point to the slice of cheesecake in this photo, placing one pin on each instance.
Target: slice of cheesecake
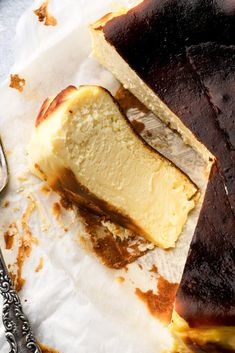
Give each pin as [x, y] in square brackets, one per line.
[85, 147]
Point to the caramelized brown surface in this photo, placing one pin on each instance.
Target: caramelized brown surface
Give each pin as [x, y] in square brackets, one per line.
[206, 295]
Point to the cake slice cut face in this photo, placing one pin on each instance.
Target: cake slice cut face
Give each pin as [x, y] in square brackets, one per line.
[85, 147]
[178, 58]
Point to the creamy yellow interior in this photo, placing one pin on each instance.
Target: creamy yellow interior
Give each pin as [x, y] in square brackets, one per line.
[88, 135]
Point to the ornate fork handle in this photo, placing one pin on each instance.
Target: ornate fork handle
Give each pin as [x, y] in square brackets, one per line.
[17, 328]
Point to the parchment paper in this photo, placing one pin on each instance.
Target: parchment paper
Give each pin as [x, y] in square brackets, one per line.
[74, 303]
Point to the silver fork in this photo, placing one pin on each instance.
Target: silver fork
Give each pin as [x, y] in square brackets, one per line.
[17, 328]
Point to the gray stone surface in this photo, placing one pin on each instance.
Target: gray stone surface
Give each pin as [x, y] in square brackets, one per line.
[10, 12]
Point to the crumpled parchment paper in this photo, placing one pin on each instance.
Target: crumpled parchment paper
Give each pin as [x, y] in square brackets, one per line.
[74, 303]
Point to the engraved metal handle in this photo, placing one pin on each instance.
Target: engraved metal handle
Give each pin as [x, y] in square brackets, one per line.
[17, 328]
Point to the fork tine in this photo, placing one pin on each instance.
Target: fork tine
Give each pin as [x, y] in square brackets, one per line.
[3, 168]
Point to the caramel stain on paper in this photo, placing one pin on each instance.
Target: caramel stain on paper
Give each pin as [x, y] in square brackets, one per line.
[56, 209]
[45, 189]
[160, 304]
[66, 203]
[154, 269]
[46, 349]
[38, 168]
[12, 276]
[44, 16]
[6, 203]
[120, 279]
[9, 235]
[17, 82]
[26, 241]
[40, 265]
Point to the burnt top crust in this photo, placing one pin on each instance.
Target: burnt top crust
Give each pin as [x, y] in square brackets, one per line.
[184, 50]
[163, 42]
[207, 291]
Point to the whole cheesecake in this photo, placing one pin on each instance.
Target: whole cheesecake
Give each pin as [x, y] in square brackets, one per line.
[178, 58]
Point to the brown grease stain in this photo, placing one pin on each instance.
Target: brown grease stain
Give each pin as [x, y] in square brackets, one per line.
[38, 168]
[9, 235]
[154, 269]
[26, 240]
[46, 349]
[56, 209]
[17, 82]
[161, 304]
[120, 279]
[45, 189]
[44, 16]
[40, 265]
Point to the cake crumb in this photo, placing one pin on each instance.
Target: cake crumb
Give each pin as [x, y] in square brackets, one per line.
[40, 265]
[44, 16]
[17, 82]
[120, 279]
